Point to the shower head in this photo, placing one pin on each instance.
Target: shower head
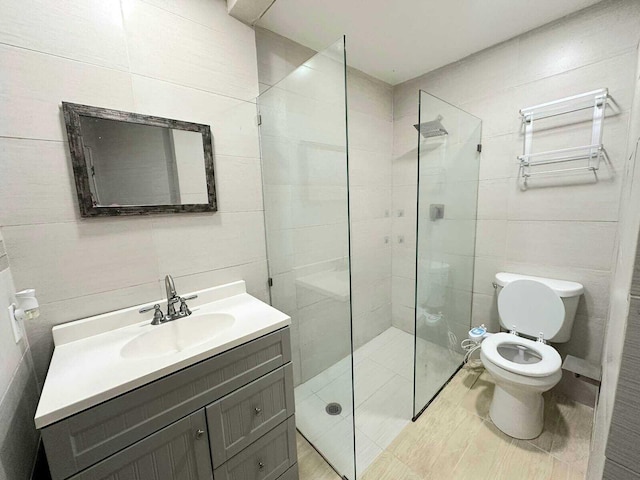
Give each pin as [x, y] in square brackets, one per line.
[433, 128]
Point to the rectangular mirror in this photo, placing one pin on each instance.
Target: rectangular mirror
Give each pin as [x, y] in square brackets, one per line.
[130, 164]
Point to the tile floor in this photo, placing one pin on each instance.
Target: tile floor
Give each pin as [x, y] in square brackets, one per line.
[455, 439]
[311, 465]
[383, 399]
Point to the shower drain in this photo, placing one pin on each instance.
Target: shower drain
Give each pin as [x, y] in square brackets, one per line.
[334, 408]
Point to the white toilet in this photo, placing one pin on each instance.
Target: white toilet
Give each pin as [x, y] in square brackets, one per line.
[541, 308]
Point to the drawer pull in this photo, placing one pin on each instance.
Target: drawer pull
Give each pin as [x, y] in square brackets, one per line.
[258, 410]
[199, 433]
[260, 466]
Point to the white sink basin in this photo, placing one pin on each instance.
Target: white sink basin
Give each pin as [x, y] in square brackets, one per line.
[177, 335]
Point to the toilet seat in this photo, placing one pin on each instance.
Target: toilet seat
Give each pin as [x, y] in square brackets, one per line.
[550, 361]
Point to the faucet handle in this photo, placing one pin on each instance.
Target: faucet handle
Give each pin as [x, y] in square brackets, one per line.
[184, 308]
[149, 308]
[158, 316]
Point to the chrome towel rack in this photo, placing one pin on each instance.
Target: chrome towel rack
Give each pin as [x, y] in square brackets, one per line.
[595, 100]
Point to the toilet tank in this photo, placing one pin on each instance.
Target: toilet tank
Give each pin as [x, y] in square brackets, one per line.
[569, 293]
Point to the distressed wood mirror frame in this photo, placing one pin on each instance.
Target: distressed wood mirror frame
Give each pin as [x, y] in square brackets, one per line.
[72, 113]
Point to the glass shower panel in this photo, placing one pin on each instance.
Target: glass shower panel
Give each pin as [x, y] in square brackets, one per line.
[448, 167]
[305, 180]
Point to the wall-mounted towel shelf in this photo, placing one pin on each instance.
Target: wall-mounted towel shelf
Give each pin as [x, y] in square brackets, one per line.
[592, 153]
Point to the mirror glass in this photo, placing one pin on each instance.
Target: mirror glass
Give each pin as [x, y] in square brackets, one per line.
[127, 163]
[132, 164]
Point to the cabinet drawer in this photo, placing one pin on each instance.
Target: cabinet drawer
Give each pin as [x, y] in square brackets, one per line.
[86, 438]
[248, 413]
[266, 459]
[177, 452]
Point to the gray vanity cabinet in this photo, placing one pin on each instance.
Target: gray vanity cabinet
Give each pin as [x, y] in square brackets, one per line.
[184, 426]
[177, 452]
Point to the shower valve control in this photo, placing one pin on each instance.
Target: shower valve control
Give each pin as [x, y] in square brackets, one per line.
[436, 211]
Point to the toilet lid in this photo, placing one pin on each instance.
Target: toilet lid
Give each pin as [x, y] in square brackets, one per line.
[520, 355]
[531, 308]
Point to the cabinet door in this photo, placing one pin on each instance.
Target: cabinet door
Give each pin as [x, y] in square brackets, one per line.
[177, 452]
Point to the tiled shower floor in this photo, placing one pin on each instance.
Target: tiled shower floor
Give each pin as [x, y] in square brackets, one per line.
[383, 399]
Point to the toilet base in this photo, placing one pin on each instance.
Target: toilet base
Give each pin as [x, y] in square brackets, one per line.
[517, 412]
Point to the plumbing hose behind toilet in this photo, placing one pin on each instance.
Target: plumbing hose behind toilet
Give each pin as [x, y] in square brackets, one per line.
[472, 345]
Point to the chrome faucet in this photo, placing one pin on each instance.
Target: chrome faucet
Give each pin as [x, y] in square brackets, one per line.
[172, 299]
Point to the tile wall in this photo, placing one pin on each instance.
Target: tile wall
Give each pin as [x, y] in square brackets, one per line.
[18, 389]
[186, 60]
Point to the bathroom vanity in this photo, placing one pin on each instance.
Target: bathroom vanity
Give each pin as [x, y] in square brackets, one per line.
[127, 399]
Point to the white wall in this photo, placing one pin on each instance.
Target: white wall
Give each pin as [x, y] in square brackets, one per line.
[18, 389]
[186, 60]
[565, 227]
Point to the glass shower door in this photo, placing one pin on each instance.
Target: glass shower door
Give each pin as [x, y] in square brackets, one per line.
[448, 168]
[303, 137]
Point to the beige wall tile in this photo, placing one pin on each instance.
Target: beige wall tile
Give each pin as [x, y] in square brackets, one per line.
[492, 199]
[491, 238]
[46, 192]
[188, 244]
[484, 273]
[31, 103]
[18, 438]
[90, 32]
[68, 260]
[570, 244]
[579, 40]
[239, 184]
[231, 69]
[232, 121]
[499, 156]
[369, 95]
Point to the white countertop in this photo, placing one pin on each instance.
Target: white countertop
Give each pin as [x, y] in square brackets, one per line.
[87, 367]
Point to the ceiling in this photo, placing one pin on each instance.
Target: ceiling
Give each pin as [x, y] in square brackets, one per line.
[402, 39]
